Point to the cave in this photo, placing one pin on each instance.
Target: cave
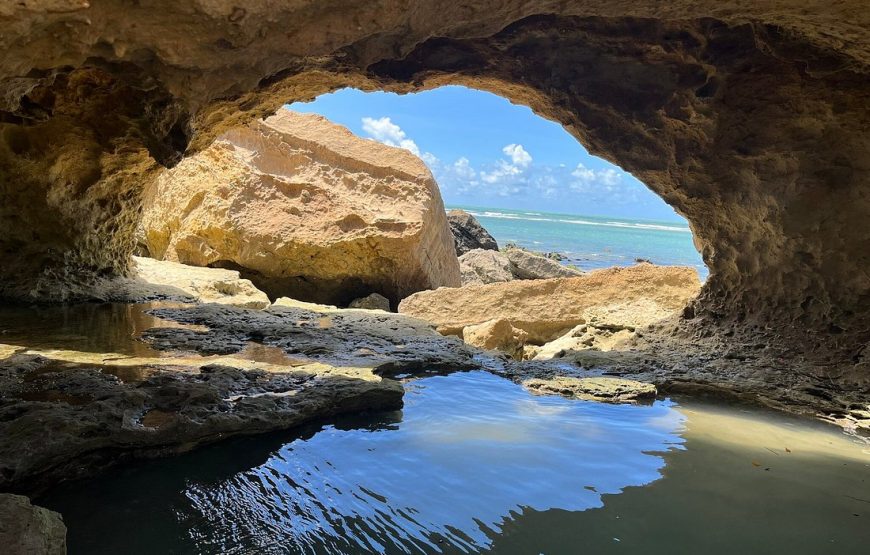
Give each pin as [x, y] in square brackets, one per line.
[750, 121]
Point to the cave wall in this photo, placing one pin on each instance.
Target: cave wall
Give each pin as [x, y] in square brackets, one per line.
[752, 119]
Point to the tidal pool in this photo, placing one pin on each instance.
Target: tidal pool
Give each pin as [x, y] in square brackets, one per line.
[474, 463]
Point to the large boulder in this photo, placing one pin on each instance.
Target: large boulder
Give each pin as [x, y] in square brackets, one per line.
[26, 529]
[304, 208]
[528, 265]
[614, 298]
[480, 266]
[468, 234]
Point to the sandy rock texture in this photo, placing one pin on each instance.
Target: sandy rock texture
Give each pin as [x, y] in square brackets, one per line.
[305, 209]
[496, 335]
[545, 309]
[749, 118]
[26, 529]
[207, 285]
[481, 266]
[468, 234]
[604, 388]
[584, 337]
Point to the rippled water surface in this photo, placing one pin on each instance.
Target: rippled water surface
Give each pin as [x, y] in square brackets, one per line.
[474, 463]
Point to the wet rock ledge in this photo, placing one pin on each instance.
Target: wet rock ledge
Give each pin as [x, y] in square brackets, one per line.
[66, 414]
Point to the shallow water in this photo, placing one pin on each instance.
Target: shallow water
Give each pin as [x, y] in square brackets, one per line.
[474, 463]
[91, 334]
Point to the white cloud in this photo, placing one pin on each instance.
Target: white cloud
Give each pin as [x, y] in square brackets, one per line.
[586, 178]
[518, 155]
[463, 170]
[385, 131]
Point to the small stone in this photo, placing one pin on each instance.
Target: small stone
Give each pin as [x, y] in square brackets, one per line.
[374, 301]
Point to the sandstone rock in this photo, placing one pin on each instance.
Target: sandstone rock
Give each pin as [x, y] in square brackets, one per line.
[468, 234]
[480, 266]
[371, 302]
[306, 364]
[26, 529]
[497, 335]
[208, 285]
[580, 338]
[305, 209]
[527, 265]
[607, 389]
[750, 118]
[545, 309]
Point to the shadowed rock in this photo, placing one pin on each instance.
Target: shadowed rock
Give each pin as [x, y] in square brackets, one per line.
[468, 234]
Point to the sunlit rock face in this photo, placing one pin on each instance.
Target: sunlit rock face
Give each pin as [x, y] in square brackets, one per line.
[750, 119]
[305, 209]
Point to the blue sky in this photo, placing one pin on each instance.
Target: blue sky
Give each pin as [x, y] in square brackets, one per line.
[485, 151]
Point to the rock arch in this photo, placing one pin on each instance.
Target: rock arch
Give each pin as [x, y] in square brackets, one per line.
[751, 119]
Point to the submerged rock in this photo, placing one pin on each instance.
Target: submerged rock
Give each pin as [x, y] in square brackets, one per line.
[480, 266]
[614, 298]
[528, 265]
[468, 234]
[280, 367]
[497, 335]
[604, 388]
[305, 209]
[26, 529]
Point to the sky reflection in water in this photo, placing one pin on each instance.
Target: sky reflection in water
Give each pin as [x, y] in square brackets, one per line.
[470, 453]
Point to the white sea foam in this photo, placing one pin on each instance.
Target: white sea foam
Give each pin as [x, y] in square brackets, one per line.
[625, 225]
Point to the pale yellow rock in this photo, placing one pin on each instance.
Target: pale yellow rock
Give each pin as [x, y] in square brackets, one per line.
[305, 209]
[581, 338]
[208, 285]
[497, 335]
[317, 307]
[600, 388]
[545, 309]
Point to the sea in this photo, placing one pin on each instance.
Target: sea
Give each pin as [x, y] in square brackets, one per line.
[592, 242]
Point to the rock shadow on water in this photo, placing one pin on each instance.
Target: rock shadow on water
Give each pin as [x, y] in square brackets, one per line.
[467, 457]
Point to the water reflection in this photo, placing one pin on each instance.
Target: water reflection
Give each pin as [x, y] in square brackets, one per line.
[91, 327]
[472, 451]
[476, 464]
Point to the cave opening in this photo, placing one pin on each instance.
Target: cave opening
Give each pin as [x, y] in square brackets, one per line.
[525, 178]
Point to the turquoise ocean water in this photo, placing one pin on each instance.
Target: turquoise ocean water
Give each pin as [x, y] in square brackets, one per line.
[592, 242]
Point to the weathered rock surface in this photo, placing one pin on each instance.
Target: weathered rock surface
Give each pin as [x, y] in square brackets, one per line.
[527, 265]
[580, 338]
[498, 335]
[607, 389]
[208, 285]
[371, 302]
[64, 413]
[750, 118]
[468, 234]
[26, 529]
[545, 309]
[480, 266]
[305, 209]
